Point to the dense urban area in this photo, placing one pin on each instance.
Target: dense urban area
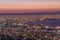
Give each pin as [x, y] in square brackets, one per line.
[29, 27]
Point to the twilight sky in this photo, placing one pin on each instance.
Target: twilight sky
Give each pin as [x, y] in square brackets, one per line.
[29, 5]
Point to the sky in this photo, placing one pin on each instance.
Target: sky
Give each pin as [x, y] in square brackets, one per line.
[29, 5]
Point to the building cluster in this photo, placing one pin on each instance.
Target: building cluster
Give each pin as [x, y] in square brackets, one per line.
[13, 28]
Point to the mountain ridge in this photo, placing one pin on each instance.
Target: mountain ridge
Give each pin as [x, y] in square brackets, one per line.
[33, 13]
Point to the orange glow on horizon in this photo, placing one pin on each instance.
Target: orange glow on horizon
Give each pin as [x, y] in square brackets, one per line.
[31, 7]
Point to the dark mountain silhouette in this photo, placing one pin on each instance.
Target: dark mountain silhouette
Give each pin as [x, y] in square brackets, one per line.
[33, 13]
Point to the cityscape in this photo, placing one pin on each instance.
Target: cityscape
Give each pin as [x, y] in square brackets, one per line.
[29, 27]
[29, 19]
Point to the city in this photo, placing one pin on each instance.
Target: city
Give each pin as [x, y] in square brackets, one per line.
[29, 27]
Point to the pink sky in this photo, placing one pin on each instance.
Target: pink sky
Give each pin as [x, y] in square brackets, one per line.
[29, 5]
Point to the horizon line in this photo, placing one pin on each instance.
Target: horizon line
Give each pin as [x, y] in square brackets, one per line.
[33, 13]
